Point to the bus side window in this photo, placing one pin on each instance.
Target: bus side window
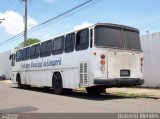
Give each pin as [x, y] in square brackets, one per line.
[46, 48]
[91, 38]
[26, 54]
[69, 42]
[35, 51]
[19, 56]
[82, 40]
[58, 45]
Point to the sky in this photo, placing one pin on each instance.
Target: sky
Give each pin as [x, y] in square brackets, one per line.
[141, 14]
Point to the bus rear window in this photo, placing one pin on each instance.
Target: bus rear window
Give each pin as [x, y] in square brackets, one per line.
[117, 37]
[132, 40]
[108, 36]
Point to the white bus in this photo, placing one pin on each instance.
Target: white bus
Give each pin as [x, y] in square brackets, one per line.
[97, 57]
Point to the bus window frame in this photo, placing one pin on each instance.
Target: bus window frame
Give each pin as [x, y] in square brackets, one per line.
[27, 56]
[91, 38]
[47, 52]
[20, 58]
[35, 55]
[72, 43]
[84, 46]
[139, 41]
[58, 51]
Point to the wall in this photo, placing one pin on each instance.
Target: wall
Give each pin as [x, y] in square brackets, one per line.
[5, 64]
[151, 49]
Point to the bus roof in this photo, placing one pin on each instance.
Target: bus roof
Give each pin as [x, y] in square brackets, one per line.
[117, 25]
[91, 26]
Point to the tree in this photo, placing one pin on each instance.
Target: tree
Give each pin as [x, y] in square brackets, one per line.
[29, 41]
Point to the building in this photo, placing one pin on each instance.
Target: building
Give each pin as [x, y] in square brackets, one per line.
[151, 49]
[5, 64]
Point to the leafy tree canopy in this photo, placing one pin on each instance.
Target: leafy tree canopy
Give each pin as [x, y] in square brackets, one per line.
[29, 41]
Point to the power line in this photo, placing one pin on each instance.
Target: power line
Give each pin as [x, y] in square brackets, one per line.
[10, 38]
[63, 15]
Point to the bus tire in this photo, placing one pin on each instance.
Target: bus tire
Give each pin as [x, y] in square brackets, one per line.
[57, 83]
[18, 78]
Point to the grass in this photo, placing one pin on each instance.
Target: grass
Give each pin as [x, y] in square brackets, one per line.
[132, 95]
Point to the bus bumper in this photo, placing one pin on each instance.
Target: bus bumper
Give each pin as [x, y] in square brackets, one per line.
[119, 82]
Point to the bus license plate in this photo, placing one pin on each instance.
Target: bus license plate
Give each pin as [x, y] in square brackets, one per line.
[125, 73]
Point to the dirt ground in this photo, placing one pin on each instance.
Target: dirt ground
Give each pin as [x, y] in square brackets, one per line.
[154, 93]
[41, 100]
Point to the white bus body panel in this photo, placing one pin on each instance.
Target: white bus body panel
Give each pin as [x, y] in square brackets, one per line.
[42, 75]
[123, 60]
[116, 60]
[70, 67]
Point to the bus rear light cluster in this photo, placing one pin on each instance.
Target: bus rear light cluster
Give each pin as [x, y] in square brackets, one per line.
[103, 62]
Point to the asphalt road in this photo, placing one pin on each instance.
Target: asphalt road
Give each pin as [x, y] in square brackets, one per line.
[39, 100]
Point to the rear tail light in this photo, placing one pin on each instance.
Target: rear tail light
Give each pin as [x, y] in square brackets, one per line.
[103, 56]
[103, 62]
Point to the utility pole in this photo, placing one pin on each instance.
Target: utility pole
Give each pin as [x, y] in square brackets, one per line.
[25, 22]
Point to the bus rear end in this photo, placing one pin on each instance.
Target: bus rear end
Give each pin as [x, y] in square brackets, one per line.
[118, 58]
